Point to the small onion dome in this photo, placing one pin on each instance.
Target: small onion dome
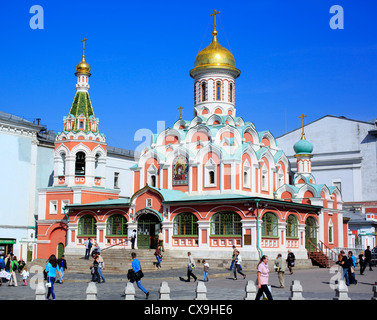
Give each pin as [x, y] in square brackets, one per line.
[215, 56]
[83, 67]
[303, 147]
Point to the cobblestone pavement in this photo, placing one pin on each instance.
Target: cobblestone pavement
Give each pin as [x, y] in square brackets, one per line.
[316, 283]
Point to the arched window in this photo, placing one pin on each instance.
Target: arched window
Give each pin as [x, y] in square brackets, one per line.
[269, 225]
[218, 90]
[153, 180]
[185, 224]
[226, 223]
[231, 92]
[80, 164]
[292, 226]
[204, 91]
[87, 226]
[264, 178]
[61, 164]
[116, 225]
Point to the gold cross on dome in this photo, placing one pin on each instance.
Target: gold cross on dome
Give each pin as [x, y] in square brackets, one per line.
[180, 112]
[83, 45]
[303, 133]
[214, 17]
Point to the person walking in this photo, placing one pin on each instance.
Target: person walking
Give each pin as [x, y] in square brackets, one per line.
[62, 262]
[190, 267]
[361, 262]
[96, 250]
[101, 266]
[290, 261]
[237, 266]
[205, 271]
[368, 258]
[136, 267]
[52, 269]
[88, 245]
[280, 269]
[344, 263]
[95, 274]
[351, 270]
[133, 239]
[12, 270]
[157, 254]
[25, 274]
[233, 256]
[263, 274]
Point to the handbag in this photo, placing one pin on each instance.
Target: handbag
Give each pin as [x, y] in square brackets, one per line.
[139, 275]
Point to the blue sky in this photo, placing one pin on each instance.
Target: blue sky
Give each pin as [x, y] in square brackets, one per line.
[141, 52]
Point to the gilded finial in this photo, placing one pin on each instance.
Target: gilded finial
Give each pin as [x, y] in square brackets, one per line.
[83, 67]
[83, 47]
[180, 113]
[303, 132]
[214, 33]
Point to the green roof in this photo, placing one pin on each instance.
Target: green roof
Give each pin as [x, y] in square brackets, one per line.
[81, 105]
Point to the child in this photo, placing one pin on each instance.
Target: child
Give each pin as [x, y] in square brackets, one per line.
[25, 275]
[206, 269]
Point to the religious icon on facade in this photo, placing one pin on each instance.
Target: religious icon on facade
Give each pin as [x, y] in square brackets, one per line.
[180, 171]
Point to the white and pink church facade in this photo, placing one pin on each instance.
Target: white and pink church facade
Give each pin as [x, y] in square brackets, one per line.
[208, 183]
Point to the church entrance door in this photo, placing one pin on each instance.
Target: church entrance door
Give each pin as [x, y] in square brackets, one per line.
[148, 226]
[311, 234]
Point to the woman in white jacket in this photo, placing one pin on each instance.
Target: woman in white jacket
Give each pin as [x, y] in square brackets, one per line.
[237, 265]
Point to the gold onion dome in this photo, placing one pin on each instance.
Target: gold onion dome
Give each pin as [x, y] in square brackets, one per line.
[215, 56]
[83, 67]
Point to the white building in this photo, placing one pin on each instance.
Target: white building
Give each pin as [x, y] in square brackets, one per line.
[345, 155]
[26, 166]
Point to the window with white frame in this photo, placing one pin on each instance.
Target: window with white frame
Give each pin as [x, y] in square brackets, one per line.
[116, 180]
[246, 174]
[63, 204]
[331, 232]
[53, 207]
[210, 174]
[280, 177]
[152, 174]
[264, 178]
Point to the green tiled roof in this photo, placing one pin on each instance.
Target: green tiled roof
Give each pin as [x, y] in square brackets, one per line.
[81, 105]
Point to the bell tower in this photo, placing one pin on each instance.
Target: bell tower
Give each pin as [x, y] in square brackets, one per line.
[80, 149]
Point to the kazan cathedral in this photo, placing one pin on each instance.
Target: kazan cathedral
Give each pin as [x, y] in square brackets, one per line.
[208, 183]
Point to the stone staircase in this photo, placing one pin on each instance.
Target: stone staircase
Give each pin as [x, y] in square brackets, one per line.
[321, 259]
[118, 261]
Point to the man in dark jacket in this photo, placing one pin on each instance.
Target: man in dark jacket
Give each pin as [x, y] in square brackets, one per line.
[368, 258]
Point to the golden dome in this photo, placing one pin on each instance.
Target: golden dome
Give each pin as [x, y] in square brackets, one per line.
[215, 56]
[83, 67]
